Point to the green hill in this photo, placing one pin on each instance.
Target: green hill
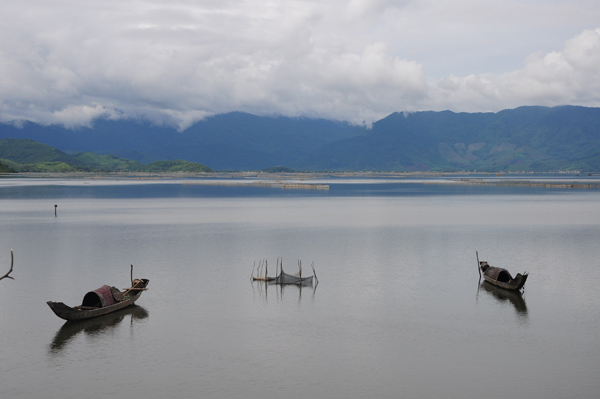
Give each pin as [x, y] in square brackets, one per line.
[176, 166]
[26, 151]
[4, 168]
[107, 163]
[25, 155]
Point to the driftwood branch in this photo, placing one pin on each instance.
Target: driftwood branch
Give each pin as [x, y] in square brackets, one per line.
[12, 261]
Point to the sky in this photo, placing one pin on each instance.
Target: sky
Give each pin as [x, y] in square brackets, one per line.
[176, 62]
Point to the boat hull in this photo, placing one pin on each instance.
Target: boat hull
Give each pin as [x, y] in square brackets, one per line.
[73, 314]
[514, 285]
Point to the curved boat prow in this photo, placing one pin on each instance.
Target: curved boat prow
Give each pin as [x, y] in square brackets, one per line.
[520, 279]
[60, 309]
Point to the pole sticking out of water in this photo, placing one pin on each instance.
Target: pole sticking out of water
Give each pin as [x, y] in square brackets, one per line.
[55, 206]
[12, 261]
[478, 264]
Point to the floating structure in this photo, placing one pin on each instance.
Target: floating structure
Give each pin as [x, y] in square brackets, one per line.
[279, 184]
[500, 277]
[282, 278]
[101, 301]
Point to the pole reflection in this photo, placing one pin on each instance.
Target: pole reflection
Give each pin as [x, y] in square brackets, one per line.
[262, 288]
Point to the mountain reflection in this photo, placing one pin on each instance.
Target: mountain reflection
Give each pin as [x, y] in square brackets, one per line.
[94, 327]
[502, 295]
[265, 289]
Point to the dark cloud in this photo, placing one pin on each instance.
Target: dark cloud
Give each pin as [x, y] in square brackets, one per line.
[71, 62]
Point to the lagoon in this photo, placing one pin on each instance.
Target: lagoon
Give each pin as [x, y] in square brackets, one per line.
[399, 310]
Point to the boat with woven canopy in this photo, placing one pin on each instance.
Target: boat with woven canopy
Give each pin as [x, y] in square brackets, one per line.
[501, 277]
[101, 301]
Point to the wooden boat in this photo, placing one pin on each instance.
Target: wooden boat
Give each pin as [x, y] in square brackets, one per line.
[99, 302]
[501, 277]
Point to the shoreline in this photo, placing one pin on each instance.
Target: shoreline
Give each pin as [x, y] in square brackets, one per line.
[564, 180]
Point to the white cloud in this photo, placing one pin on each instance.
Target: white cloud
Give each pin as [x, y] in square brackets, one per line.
[70, 62]
[570, 76]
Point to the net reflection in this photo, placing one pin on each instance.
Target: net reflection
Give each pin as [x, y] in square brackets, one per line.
[264, 289]
[94, 327]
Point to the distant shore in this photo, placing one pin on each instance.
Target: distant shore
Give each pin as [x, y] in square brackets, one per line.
[524, 179]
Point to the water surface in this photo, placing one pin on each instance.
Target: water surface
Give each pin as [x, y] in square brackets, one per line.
[398, 312]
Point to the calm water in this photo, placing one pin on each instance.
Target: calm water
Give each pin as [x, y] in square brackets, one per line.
[398, 312]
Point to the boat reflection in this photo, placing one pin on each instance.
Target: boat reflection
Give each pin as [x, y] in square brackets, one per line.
[265, 288]
[95, 327]
[502, 295]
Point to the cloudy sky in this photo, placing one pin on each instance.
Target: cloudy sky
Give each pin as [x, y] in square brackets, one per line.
[178, 61]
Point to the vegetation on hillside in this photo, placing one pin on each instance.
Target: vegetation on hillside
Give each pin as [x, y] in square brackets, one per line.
[278, 169]
[521, 139]
[4, 168]
[177, 166]
[24, 155]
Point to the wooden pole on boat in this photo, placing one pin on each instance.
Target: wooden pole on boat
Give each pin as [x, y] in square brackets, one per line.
[132, 275]
[478, 264]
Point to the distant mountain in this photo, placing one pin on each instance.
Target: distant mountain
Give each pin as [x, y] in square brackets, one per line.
[524, 139]
[235, 141]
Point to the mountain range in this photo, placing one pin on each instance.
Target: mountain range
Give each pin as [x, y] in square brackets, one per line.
[521, 139]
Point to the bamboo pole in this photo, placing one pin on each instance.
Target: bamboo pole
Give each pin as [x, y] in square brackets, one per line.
[314, 273]
[478, 264]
